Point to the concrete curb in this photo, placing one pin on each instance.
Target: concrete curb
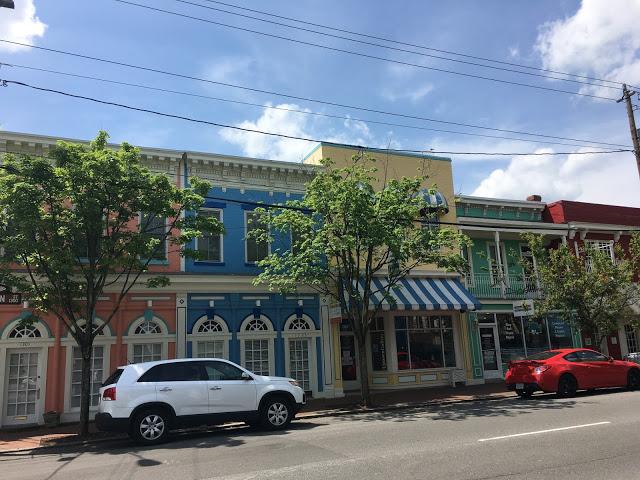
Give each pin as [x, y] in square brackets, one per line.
[311, 415]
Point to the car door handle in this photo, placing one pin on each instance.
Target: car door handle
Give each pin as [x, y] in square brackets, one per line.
[216, 388]
[165, 389]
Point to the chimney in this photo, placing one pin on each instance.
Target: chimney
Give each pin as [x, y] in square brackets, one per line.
[534, 198]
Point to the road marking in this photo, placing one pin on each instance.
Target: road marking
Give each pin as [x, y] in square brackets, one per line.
[542, 431]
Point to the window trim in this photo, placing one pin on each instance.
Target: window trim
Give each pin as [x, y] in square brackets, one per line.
[225, 336]
[269, 334]
[247, 213]
[220, 236]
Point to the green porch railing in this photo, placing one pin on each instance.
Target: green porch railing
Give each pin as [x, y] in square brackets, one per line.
[514, 287]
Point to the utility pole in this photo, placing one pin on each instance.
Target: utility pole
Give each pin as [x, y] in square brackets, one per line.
[626, 95]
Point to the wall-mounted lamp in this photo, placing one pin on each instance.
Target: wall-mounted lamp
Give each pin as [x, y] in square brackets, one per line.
[149, 303]
[25, 304]
[257, 303]
[300, 303]
[212, 303]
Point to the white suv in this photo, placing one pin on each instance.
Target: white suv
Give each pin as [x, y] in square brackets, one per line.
[146, 400]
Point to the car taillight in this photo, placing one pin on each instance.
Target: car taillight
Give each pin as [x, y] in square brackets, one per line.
[541, 368]
[109, 394]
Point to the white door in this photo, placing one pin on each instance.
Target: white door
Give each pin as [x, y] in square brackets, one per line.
[299, 365]
[228, 391]
[22, 387]
[490, 346]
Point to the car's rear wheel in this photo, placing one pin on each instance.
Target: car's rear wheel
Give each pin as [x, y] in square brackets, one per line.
[276, 413]
[567, 385]
[151, 426]
[525, 393]
[633, 379]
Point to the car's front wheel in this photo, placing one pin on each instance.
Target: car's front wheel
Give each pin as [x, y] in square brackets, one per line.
[276, 413]
[633, 379]
[151, 426]
[567, 385]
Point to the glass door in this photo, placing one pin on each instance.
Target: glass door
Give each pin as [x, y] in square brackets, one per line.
[490, 352]
[349, 364]
[22, 387]
[299, 363]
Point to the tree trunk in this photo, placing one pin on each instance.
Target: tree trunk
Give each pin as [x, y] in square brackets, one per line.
[85, 398]
[363, 373]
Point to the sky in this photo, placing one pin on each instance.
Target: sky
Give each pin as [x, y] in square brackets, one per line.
[410, 76]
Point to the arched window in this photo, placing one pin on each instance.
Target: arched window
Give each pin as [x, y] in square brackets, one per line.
[256, 336]
[299, 335]
[28, 331]
[299, 324]
[210, 338]
[147, 327]
[147, 340]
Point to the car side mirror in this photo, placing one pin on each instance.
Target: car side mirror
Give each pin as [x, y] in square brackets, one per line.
[246, 376]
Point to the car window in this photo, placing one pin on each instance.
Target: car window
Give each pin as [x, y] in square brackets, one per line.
[113, 378]
[572, 357]
[589, 356]
[173, 372]
[222, 371]
[544, 355]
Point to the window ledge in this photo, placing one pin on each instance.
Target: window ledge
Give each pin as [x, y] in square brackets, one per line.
[208, 263]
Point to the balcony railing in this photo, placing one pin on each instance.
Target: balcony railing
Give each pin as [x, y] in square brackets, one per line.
[515, 287]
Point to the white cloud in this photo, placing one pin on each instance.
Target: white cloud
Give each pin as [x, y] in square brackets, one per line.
[413, 94]
[292, 124]
[601, 39]
[228, 69]
[20, 25]
[594, 178]
[514, 52]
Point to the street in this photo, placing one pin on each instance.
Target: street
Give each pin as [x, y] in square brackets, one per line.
[594, 435]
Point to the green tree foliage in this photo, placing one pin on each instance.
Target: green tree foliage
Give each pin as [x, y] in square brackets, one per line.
[590, 291]
[87, 220]
[343, 232]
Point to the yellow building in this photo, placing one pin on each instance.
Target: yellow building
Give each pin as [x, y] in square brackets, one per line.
[424, 340]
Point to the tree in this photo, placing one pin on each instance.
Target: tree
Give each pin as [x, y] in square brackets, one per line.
[590, 291]
[71, 229]
[344, 233]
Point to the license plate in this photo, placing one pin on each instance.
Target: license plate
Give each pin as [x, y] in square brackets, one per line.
[519, 386]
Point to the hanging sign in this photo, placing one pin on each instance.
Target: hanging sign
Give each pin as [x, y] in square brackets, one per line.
[523, 308]
[9, 298]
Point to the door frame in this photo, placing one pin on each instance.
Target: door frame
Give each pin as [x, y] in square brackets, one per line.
[24, 345]
[492, 374]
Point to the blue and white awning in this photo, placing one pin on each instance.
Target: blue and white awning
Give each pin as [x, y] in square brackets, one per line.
[435, 199]
[424, 294]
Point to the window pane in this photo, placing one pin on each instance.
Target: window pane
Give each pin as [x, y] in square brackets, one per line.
[510, 337]
[210, 244]
[156, 227]
[256, 250]
[378, 351]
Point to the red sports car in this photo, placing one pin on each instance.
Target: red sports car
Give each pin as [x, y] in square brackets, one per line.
[567, 370]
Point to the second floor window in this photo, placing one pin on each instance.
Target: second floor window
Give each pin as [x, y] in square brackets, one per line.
[156, 227]
[210, 245]
[255, 250]
[600, 246]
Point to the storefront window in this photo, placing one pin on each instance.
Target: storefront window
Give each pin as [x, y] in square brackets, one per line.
[378, 347]
[425, 342]
[535, 334]
[559, 333]
[510, 337]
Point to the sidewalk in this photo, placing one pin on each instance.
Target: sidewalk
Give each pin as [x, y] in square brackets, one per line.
[38, 436]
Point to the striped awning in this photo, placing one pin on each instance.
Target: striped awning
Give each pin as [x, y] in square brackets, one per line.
[436, 200]
[425, 294]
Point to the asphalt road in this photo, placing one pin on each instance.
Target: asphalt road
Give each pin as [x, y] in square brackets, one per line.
[590, 436]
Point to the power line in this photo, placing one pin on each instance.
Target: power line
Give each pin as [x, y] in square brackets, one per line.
[249, 130]
[373, 57]
[619, 84]
[403, 50]
[305, 99]
[293, 110]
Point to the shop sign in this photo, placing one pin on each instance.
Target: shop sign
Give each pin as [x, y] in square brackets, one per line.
[335, 315]
[523, 308]
[9, 298]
